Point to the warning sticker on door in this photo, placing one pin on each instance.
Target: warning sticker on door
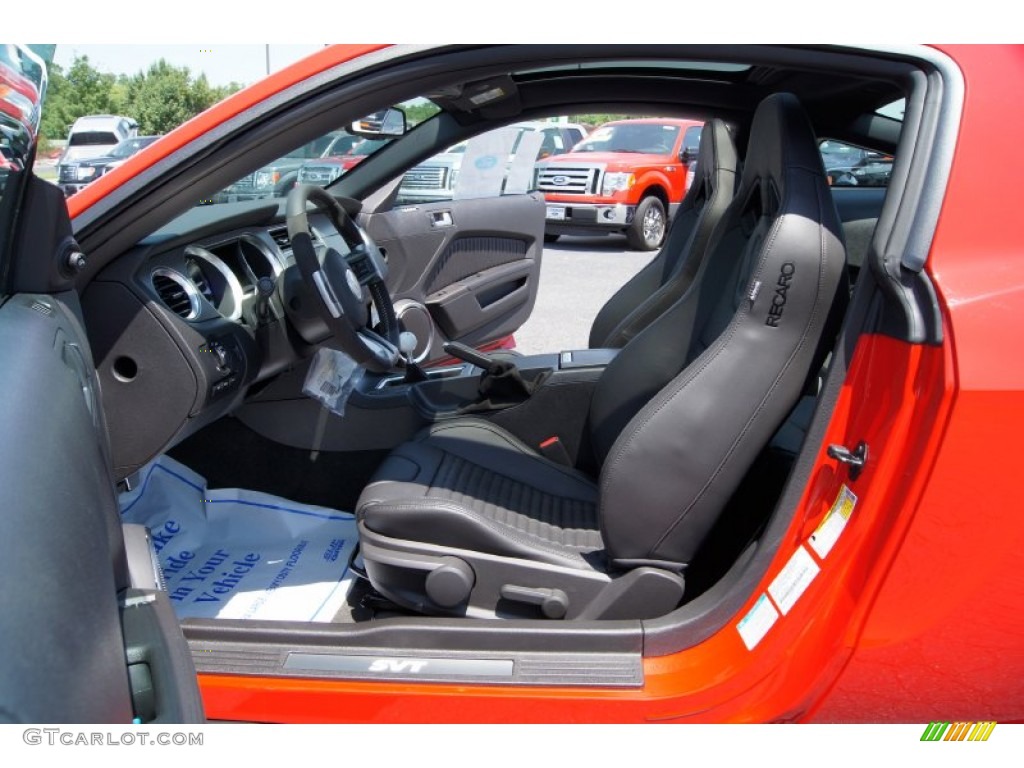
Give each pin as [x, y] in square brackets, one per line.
[759, 619]
[793, 580]
[827, 534]
[239, 554]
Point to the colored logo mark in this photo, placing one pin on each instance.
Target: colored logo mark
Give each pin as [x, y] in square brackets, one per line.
[958, 731]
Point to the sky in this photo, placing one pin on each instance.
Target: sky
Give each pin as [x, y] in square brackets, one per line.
[222, 64]
[122, 39]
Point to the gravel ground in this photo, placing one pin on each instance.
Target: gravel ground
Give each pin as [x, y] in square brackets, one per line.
[578, 275]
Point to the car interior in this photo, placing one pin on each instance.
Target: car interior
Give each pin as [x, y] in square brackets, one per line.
[606, 503]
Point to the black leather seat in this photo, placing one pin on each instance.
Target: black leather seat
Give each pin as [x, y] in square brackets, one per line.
[657, 286]
[466, 519]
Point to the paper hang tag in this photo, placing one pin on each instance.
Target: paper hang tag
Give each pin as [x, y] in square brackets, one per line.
[331, 378]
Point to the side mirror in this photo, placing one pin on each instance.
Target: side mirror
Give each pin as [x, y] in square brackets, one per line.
[687, 156]
[388, 123]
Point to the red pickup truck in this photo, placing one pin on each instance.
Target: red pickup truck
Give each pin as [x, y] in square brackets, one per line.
[627, 176]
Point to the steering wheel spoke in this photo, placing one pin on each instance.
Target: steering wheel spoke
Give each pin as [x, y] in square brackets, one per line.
[364, 265]
[337, 280]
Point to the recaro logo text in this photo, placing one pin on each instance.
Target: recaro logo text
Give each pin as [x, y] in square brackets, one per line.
[958, 731]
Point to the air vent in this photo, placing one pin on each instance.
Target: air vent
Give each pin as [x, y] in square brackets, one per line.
[176, 292]
[280, 236]
[318, 241]
[195, 274]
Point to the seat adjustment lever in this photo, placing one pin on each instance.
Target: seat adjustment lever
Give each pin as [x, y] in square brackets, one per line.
[554, 603]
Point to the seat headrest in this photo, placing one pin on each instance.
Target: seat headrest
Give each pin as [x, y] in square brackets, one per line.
[716, 153]
[781, 138]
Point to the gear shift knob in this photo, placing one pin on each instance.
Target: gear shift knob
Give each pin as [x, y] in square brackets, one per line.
[407, 343]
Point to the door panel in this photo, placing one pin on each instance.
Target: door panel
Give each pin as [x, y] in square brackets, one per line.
[88, 634]
[82, 624]
[482, 299]
[60, 549]
[474, 266]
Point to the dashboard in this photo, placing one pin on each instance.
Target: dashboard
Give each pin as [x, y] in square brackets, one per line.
[195, 318]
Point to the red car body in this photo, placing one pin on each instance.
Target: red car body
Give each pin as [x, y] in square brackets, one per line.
[915, 614]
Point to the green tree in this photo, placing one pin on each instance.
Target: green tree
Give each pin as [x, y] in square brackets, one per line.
[597, 119]
[83, 90]
[417, 113]
[53, 124]
[164, 96]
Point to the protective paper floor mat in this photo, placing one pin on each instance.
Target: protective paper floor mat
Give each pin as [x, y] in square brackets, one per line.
[237, 554]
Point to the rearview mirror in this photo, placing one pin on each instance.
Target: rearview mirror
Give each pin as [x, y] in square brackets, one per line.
[388, 123]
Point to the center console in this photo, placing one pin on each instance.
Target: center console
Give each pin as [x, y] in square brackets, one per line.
[452, 390]
[386, 410]
[554, 403]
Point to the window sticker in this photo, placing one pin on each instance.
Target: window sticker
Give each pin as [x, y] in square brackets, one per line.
[520, 167]
[759, 619]
[793, 580]
[484, 164]
[827, 534]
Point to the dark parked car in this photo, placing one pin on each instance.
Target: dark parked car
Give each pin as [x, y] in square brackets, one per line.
[76, 174]
[277, 178]
[850, 166]
[344, 153]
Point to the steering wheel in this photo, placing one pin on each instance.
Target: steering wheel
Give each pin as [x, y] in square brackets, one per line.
[338, 280]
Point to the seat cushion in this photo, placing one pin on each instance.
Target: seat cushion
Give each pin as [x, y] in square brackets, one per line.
[468, 484]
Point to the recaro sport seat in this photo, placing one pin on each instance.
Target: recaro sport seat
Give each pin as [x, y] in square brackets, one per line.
[468, 520]
[656, 287]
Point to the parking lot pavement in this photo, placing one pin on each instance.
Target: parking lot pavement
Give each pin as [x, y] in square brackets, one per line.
[578, 275]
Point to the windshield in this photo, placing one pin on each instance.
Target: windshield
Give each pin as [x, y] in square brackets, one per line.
[368, 146]
[648, 138]
[341, 146]
[302, 165]
[321, 161]
[129, 147]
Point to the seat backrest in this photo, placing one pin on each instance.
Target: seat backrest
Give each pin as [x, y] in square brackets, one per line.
[657, 286]
[683, 410]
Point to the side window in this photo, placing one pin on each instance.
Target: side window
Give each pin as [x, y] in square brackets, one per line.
[847, 165]
[495, 163]
[551, 144]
